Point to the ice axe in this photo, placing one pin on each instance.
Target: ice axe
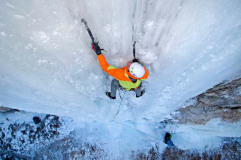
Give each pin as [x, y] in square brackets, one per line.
[88, 29]
[94, 43]
[134, 52]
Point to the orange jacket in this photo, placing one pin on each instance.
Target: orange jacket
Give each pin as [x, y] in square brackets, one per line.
[121, 74]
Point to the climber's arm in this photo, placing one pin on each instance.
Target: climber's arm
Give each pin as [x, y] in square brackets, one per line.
[111, 70]
[104, 65]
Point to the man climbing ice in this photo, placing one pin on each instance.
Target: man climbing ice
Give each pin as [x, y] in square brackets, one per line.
[167, 140]
[128, 77]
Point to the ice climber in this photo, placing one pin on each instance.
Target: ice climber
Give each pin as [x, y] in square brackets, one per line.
[167, 140]
[128, 77]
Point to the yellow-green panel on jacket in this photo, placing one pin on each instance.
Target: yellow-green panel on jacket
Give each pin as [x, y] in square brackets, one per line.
[129, 85]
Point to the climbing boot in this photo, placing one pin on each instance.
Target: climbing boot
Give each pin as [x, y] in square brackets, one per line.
[142, 93]
[108, 94]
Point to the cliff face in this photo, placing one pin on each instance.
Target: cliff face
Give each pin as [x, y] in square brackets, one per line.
[58, 138]
[225, 95]
[222, 101]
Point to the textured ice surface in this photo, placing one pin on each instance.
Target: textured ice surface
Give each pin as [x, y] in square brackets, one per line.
[47, 64]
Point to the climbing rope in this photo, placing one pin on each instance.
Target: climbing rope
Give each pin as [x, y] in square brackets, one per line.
[118, 110]
[120, 94]
[137, 130]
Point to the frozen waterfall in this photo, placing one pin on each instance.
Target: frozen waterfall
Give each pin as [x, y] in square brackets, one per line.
[47, 64]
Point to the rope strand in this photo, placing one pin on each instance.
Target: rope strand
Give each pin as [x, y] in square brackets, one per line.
[137, 130]
[118, 110]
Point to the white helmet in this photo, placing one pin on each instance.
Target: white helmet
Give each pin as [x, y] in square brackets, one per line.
[137, 70]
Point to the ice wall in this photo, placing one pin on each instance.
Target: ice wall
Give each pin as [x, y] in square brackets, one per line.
[47, 65]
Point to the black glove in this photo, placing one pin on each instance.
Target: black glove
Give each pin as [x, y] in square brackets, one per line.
[96, 48]
[135, 60]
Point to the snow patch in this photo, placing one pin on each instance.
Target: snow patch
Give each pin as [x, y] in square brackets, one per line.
[3, 34]
[17, 16]
[9, 5]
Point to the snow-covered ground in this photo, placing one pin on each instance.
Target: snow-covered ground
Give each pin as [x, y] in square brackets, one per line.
[47, 65]
[63, 138]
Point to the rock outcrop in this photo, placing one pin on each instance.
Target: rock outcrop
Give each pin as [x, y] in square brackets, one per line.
[222, 101]
[228, 151]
